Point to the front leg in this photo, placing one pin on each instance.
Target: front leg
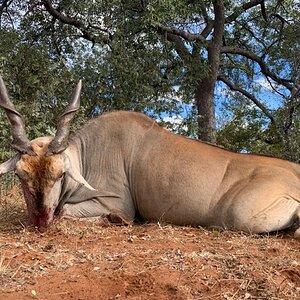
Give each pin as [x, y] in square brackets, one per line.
[92, 210]
[101, 221]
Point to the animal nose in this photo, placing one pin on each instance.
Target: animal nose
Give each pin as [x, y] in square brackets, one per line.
[42, 221]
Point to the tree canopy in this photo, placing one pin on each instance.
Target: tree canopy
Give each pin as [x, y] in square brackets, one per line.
[187, 61]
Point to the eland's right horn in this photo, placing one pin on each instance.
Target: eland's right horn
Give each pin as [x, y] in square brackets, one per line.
[60, 141]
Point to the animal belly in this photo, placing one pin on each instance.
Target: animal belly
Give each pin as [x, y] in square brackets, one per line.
[181, 212]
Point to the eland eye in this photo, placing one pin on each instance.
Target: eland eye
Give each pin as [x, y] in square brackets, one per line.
[61, 175]
[22, 174]
[19, 174]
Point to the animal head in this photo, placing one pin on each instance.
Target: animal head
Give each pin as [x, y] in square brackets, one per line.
[43, 163]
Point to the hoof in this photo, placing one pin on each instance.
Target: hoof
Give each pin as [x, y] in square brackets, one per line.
[297, 234]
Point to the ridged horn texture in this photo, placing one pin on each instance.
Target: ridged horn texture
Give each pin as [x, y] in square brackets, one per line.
[20, 142]
[60, 141]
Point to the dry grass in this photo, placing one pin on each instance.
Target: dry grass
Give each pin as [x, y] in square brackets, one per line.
[141, 261]
[12, 205]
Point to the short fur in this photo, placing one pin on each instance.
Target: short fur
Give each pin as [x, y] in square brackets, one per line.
[141, 171]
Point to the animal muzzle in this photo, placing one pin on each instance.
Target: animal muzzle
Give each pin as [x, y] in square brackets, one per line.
[41, 217]
[41, 220]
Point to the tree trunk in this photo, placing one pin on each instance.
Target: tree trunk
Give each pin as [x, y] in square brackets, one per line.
[204, 98]
[204, 94]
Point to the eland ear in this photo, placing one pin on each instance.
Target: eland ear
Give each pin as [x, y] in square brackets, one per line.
[9, 165]
[76, 176]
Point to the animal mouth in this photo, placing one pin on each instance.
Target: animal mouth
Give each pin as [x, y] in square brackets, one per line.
[39, 220]
[42, 221]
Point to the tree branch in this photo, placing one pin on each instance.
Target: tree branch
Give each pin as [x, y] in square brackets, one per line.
[206, 17]
[263, 11]
[5, 4]
[209, 22]
[264, 69]
[181, 50]
[175, 31]
[86, 34]
[234, 87]
[241, 9]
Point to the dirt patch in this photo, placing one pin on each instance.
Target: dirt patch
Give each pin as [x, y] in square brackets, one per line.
[80, 260]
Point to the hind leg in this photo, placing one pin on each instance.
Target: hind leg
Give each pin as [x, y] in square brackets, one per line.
[257, 207]
[297, 221]
[273, 216]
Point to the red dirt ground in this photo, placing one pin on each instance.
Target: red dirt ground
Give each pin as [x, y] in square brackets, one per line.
[80, 260]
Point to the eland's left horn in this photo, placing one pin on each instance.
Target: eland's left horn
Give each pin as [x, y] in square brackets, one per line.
[20, 142]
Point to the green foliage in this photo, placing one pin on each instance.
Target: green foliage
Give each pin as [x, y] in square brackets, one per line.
[126, 64]
[36, 85]
[245, 129]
